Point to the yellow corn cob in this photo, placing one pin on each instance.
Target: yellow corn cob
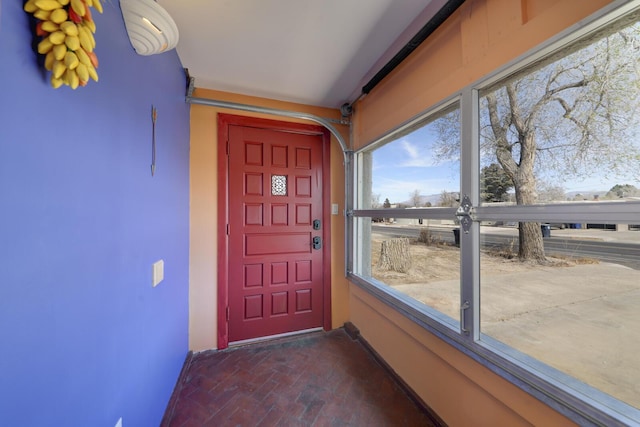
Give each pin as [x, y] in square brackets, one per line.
[30, 6]
[72, 42]
[49, 59]
[57, 37]
[48, 4]
[92, 72]
[45, 46]
[83, 72]
[50, 26]
[77, 6]
[59, 16]
[71, 60]
[91, 26]
[69, 28]
[83, 57]
[55, 83]
[59, 51]
[72, 76]
[42, 15]
[97, 5]
[58, 69]
[86, 38]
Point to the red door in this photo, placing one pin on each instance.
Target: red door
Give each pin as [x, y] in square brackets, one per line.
[275, 276]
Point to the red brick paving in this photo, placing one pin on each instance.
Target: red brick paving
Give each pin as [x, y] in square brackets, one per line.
[320, 379]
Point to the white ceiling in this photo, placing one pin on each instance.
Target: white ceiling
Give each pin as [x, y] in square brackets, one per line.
[317, 52]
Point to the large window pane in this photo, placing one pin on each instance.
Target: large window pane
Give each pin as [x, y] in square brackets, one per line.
[566, 130]
[418, 167]
[577, 312]
[430, 270]
[402, 247]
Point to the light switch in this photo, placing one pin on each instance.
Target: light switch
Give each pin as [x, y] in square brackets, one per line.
[158, 272]
[334, 209]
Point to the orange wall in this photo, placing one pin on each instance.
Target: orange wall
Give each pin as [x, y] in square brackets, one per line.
[461, 391]
[203, 268]
[480, 37]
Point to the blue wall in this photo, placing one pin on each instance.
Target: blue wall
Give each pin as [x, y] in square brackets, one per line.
[84, 337]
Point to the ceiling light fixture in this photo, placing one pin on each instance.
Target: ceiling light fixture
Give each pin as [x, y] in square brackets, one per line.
[151, 29]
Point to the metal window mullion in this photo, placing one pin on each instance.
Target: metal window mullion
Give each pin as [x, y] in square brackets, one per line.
[470, 240]
[622, 212]
[363, 167]
[353, 229]
[421, 213]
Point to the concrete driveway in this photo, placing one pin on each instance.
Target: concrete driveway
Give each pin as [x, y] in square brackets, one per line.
[583, 320]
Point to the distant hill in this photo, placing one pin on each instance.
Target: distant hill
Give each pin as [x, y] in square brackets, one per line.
[434, 199]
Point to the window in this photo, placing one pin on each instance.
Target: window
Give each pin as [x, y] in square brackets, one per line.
[544, 199]
[563, 137]
[408, 240]
[278, 185]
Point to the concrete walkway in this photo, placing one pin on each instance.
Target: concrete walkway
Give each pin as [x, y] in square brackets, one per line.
[583, 320]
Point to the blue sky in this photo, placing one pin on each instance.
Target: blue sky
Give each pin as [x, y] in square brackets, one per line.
[407, 164]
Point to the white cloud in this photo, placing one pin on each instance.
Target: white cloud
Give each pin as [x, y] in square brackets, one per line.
[418, 156]
[410, 149]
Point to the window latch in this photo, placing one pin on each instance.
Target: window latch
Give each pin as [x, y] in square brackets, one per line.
[463, 325]
[466, 214]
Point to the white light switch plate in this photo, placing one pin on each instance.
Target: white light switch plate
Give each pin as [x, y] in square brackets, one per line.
[334, 209]
[158, 272]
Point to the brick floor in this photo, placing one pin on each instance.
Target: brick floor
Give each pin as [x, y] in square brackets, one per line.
[319, 379]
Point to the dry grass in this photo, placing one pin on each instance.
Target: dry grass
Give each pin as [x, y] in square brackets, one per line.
[510, 252]
[570, 260]
[429, 238]
[434, 260]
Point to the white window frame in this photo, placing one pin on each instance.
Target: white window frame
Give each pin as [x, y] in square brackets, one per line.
[579, 402]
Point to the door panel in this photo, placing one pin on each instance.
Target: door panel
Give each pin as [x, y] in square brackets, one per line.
[275, 194]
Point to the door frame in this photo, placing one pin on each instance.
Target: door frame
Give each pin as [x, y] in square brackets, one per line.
[224, 121]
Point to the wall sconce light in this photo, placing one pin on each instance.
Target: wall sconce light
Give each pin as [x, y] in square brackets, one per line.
[151, 29]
